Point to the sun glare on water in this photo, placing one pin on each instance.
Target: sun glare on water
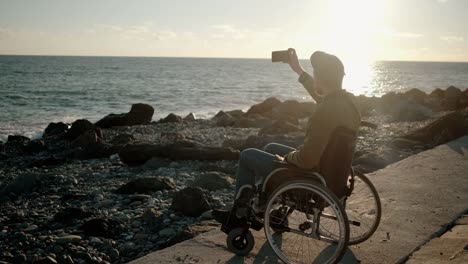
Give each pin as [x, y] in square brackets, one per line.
[349, 30]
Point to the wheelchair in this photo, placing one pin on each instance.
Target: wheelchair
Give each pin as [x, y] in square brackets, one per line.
[303, 220]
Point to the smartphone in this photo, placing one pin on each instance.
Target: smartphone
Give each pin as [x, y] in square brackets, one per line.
[280, 56]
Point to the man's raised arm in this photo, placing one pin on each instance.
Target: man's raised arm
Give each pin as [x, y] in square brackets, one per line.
[304, 78]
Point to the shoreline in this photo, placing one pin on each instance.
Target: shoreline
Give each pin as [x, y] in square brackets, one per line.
[101, 193]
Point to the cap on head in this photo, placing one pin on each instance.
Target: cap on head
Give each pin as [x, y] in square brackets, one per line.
[328, 67]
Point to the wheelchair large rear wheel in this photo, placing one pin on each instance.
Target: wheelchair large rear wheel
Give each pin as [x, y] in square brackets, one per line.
[363, 209]
[300, 240]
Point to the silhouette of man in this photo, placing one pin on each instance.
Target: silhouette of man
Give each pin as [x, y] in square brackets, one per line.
[335, 108]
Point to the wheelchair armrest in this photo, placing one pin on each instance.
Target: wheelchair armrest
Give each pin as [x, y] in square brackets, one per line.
[294, 168]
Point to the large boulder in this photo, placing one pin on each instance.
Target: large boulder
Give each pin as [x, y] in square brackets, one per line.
[192, 201]
[294, 109]
[254, 120]
[452, 92]
[415, 96]
[442, 130]
[172, 118]
[97, 151]
[213, 181]
[147, 185]
[224, 119]
[264, 108]
[16, 144]
[35, 146]
[140, 114]
[55, 129]
[78, 128]
[190, 117]
[437, 93]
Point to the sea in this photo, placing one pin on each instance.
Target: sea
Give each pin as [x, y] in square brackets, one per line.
[37, 90]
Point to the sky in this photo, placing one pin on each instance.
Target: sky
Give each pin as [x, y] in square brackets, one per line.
[414, 30]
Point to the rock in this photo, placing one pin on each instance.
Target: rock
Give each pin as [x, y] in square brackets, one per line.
[191, 201]
[151, 216]
[2, 147]
[65, 259]
[140, 114]
[415, 96]
[87, 138]
[253, 121]
[16, 144]
[114, 254]
[55, 130]
[167, 232]
[213, 181]
[279, 128]
[96, 151]
[264, 108]
[190, 117]
[172, 118]
[35, 146]
[437, 93]
[74, 239]
[442, 130]
[155, 163]
[102, 227]
[236, 113]
[410, 112]
[293, 108]
[452, 92]
[402, 143]
[389, 101]
[147, 185]
[138, 154]
[79, 127]
[71, 214]
[122, 139]
[22, 184]
[378, 159]
[224, 119]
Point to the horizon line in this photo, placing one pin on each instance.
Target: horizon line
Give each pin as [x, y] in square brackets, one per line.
[201, 57]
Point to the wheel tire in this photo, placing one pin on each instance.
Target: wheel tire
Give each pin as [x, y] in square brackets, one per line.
[356, 240]
[341, 244]
[240, 242]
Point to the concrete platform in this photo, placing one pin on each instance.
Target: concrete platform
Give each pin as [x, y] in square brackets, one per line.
[420, 196]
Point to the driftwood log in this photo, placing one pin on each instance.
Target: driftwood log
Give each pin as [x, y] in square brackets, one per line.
[140, 153]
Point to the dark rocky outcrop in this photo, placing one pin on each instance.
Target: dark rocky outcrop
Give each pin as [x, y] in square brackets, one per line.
[442, 130]
[190, 117]
[191, 201]
[97, 151]
[79, 127]
[293, 108]
[22, 184]
[140, 114]
[16, 144]
[147, 185]
[224, 119]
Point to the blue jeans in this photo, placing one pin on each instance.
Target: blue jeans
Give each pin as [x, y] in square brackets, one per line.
[255, 164]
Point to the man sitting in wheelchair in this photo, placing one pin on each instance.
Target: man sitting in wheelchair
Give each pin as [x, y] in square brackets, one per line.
[335, 111]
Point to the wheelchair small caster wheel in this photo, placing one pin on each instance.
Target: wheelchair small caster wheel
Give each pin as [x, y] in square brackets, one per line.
[240, 241]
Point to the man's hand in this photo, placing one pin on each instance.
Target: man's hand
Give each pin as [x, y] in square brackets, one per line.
[294, 62]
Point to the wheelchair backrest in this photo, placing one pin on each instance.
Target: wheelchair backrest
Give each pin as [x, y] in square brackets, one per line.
[336, 161]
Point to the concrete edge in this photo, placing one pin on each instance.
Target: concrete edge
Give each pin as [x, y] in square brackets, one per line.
[438, 233]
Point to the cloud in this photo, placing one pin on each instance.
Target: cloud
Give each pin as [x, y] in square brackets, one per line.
[229, 31]
[452, 39]
[165, 35]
